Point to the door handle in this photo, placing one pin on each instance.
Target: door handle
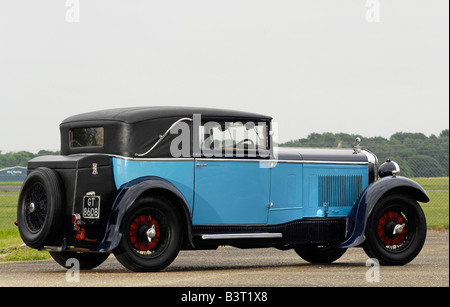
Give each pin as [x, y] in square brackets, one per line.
[201, 165]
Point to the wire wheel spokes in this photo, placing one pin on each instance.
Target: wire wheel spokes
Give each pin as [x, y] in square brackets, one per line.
[36, 205]
[148, 232]
[395, 228]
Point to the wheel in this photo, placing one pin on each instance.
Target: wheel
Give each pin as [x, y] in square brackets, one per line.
[151, 236]
[87, 261]
[396, 230]
[319, 254]
[40, 210]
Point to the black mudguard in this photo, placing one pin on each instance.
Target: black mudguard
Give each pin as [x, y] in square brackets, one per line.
[126, 198]
[370, 198]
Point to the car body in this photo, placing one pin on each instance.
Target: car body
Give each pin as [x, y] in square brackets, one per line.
[146, 182]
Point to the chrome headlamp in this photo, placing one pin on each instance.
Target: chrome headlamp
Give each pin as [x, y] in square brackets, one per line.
[389, 168]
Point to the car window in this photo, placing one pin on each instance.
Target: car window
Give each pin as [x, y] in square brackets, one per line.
[86, 137]
[233, 137]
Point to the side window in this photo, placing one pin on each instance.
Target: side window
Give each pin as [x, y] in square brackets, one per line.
[234, 139]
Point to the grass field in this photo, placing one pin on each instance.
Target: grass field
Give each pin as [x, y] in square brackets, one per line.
[436, 212]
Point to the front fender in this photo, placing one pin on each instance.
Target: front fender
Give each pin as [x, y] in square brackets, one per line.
[370, 197]
[125, 199]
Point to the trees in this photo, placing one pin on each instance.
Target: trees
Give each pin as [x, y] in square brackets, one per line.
[417, 154]
[21, 158]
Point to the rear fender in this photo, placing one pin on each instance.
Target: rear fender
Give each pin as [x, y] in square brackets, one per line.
[370, 197]
[126, 198]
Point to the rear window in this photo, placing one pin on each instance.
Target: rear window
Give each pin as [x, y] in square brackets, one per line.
[86, 137]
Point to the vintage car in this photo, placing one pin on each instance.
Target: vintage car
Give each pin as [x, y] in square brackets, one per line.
[146, 182]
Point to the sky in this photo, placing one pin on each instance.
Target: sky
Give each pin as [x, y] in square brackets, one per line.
[366, 67]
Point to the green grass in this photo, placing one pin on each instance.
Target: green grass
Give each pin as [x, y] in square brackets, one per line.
[434, 183]
[437, 209]
[17, 183]
[8, 209]
[11, 248]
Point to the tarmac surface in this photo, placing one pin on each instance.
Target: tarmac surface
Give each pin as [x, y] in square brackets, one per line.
[232, 267]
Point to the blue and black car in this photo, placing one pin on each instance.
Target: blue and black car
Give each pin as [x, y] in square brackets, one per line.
[146, 182]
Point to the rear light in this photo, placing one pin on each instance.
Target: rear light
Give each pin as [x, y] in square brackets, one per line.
[76, 221]
[75, 217]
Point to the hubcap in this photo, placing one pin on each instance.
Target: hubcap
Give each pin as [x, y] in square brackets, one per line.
[151, 233]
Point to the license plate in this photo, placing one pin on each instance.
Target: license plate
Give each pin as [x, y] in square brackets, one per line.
[91, 207]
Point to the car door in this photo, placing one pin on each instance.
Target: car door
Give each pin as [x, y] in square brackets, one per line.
[232, 180]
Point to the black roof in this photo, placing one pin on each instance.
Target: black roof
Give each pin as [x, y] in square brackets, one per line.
[137, 114]
[128, 131]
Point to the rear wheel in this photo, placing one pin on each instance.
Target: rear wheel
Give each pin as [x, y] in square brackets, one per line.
[151, 237]
[40, 210]
[396, 230]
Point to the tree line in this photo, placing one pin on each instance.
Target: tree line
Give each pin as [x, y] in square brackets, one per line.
[417, 154]
[21, 158]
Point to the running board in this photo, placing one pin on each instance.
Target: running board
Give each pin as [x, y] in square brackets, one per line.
[258, 235]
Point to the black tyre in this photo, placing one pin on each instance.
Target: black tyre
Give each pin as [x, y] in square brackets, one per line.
[319, 254]
[396, 230]
[40, 210]
[151, 235]
[87, 261]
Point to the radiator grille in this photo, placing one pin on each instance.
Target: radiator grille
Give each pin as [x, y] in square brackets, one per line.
[339, 191]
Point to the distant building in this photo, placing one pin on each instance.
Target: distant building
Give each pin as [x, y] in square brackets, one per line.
[16, 173]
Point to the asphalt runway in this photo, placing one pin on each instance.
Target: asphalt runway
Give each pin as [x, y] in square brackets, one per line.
[231, 267]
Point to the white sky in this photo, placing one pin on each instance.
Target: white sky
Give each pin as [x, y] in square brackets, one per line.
[315, 66]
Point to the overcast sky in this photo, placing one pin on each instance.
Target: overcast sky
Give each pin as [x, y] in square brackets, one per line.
[315, 66]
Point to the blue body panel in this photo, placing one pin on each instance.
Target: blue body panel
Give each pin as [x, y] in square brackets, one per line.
[178, 172]
[229, 192]
[286, 193]
[232, 192]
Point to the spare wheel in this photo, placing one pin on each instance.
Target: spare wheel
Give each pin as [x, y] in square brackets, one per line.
[40, 211]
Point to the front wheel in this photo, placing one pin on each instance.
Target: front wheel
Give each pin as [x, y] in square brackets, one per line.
[151, 237]
[396, 230]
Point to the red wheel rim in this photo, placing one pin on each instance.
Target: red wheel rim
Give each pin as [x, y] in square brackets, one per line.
[386, 225]
[138, 233]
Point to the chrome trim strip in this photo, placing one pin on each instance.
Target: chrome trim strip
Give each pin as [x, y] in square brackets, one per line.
[233, 160]
[150, 159]
[321, 162]
[372, 158]
[279, 161]
[259, 235]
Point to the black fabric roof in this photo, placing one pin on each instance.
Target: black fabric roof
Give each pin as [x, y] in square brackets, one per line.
[128, 131]
[137, 114]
